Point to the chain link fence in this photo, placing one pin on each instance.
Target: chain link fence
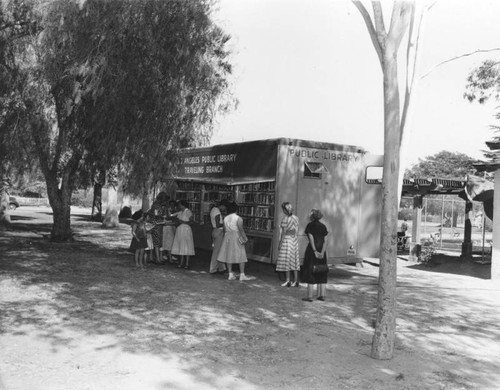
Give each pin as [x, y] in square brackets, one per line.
[443, 222]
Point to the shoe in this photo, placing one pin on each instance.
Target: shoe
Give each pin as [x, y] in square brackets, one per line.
[307, 299]
[243, 277]
[180, 266]
[320, 298]
[231, 276]
[295, 284]
[187, 267]
[286, 284]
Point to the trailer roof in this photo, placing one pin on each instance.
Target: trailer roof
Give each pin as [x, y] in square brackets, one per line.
[291, 142]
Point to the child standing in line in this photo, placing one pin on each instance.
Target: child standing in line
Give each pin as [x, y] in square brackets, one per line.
[139, 242]
[148, 227]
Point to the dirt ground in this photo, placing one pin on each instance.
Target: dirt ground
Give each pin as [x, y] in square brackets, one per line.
[81, 316]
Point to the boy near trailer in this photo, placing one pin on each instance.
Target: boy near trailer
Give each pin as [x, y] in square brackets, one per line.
[139, 242]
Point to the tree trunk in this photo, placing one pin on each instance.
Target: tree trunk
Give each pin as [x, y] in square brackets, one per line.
[495, 255]
[4, 206]
[385, 327]
[60, 201]
[111, 217]
[145, 201]
[97, 203]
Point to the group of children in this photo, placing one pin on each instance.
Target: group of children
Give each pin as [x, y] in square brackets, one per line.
[162, 233]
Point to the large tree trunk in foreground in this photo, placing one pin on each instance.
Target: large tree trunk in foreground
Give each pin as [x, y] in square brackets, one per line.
[60, 201]
[385, 328]
[59, 168]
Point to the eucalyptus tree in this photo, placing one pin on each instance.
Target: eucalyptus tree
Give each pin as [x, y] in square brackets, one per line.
[121, 82]
[406, 20]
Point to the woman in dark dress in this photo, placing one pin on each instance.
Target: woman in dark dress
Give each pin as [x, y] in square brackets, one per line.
[315, 255]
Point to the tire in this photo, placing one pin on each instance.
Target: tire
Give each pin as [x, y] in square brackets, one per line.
[12, 206]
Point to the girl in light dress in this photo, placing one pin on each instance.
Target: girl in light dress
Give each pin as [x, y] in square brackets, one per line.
[232, 250]
[288, 249]
[183, 244]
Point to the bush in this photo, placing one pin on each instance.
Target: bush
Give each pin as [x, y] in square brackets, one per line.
[82, 198]
[426, 252]
[405, 214]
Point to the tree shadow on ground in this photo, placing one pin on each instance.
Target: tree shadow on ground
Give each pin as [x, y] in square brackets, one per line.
[455, 265]
[66, 293]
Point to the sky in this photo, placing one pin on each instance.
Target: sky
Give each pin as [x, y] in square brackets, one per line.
[307, 69]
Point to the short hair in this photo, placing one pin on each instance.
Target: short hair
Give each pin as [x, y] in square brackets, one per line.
[232, 207]
[162, 197]
[316, 215]
[287, 208]
[184, 203]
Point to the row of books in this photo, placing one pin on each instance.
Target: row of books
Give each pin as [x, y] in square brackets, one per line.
[188, 195]
[254, 187]
[213, 196]
[259, 224]
[257, 198]
[188, 185]
[251, 223]
[218, 188]
[256, 211]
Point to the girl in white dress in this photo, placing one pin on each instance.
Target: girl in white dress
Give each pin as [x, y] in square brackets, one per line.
[232, 250]
[183, 244]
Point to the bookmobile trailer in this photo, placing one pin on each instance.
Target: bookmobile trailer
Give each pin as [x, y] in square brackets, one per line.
[260, 175]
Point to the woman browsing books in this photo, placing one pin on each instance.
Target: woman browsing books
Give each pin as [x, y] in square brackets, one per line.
[232, 250]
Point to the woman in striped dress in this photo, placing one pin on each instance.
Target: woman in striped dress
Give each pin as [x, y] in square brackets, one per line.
[288, 249]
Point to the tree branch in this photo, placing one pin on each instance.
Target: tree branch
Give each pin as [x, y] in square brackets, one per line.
[371, 29]
[378, 18]
[413, 43]
[457, 58]
[401, 11]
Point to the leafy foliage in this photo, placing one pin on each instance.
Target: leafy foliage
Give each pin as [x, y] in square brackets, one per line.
[483, 82]
[18, 21]
[444, 165]
[118, 83]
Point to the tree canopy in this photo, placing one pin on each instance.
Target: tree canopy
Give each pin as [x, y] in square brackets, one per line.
[444, 165]
[119, 82]
[483, 84]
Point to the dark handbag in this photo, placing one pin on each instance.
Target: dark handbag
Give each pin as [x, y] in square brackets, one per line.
[320, 268]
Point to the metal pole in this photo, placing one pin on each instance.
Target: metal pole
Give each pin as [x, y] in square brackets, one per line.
[425, 215]
[452, 227]
[484, 234]
[442, 226]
